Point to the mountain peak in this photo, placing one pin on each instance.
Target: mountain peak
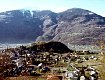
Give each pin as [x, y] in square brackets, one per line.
[78, 11]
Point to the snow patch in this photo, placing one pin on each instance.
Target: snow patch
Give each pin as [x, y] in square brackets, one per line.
[31, 13]
[91, 13]
[3, 16]
[9, 13]
[23, 11]
[6, 22]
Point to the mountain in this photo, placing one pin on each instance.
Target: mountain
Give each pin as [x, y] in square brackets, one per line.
[79, 26]
[74, 26]
[24, 25]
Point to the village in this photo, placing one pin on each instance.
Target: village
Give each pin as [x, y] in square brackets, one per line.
[42, 63]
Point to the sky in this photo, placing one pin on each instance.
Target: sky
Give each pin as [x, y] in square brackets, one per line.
[97, 6]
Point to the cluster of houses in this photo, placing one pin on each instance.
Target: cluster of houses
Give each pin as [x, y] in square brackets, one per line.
[83, 73]
[23, 61]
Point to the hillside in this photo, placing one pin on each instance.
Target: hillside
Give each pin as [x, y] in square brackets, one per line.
[52, 46]
[75, 26]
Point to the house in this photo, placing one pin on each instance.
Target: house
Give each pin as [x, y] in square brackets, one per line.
[82, 78]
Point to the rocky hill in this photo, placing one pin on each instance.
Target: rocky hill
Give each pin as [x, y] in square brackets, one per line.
[52, 46]
[75, 26]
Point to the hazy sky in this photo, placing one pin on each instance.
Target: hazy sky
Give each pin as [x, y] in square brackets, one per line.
[97, 6]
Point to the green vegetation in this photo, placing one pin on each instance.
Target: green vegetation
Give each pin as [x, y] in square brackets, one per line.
[41, 79]
[101, 68]
[70, 68]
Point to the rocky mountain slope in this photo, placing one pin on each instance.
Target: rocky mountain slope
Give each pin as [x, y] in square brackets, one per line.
[75, 26]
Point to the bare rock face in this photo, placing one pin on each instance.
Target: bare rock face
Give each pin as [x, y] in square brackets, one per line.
[75, 26]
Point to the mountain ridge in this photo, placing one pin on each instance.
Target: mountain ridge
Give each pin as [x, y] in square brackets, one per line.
[75, 26]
